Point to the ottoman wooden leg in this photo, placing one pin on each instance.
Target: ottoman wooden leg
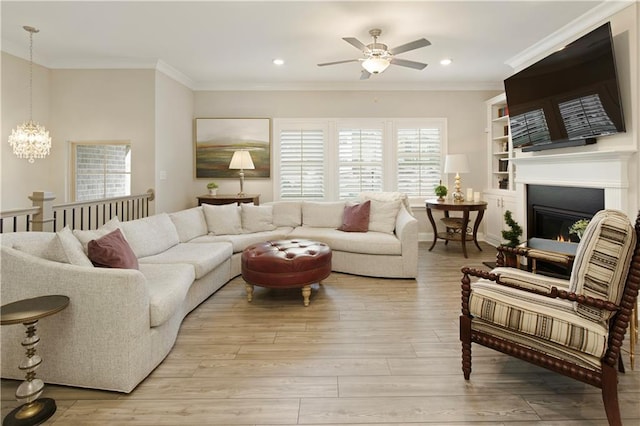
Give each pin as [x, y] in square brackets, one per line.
[249, 288]
[306, 292]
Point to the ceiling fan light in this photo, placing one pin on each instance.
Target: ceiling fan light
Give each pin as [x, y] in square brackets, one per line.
[375, 65]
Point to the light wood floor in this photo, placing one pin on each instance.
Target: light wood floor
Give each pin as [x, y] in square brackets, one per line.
[366, 351]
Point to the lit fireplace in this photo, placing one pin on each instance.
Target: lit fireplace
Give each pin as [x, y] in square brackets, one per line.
[551, 210]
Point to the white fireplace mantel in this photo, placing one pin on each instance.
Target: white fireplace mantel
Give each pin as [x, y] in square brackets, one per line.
[608, 170]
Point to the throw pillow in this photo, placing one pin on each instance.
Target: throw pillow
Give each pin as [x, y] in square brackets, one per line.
[383, 216]
[72, 248]
[189, 223]
[150, 235]
[85, 236]
[223, 220]
[287, 213]
[49, 249]
[257, 218]
[322, 214]
[112, 251]
[387, 196]
[356, 218]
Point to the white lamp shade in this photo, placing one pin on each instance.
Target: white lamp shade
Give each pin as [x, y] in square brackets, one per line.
[241, 160]
[456, 163]
[375, 65]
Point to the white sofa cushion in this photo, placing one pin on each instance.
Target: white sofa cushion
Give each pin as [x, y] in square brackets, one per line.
[287, 213]
[256, 218]
[150, 235]
[387, 196]
[204, 257]
[242, 241]
[85, 236]
[72, 248]
[223, 220]
[168, 286]
[189, 223]
[322, 214]
[383, 216]
[49, 247]
[353, 242]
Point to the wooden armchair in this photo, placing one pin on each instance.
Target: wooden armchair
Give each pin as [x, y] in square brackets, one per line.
[574, 327]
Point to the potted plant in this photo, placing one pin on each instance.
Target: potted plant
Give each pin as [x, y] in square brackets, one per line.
[213, 188]
[512, 235]
[441, 191]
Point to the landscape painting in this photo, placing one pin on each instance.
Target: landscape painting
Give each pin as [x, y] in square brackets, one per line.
[217, 138]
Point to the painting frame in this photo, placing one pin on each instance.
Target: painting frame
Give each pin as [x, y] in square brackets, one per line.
[216, 139]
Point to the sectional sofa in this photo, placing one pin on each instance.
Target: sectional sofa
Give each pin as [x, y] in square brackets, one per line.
[123, 321]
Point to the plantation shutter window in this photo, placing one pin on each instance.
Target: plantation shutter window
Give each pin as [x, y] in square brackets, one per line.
[360, 160]
[419, 152]
[302, 163]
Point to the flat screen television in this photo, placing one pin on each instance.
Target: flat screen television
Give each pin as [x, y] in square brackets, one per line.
[569, 98]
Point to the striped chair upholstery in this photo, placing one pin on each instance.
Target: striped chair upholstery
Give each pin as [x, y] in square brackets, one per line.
[573, 327]
[602, 261]
[600, 269]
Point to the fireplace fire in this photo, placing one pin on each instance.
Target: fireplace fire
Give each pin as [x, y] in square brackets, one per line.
[551, 210]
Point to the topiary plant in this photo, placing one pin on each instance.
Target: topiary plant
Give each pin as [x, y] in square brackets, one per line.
[441, 191]
[512, 235]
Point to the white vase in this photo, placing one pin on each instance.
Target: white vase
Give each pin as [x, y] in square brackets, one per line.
[213, 191]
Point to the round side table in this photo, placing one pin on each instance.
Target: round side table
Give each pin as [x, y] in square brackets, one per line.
[33, 411]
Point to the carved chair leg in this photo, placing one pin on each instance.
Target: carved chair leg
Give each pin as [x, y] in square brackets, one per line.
[465, 338]
[610, 395]
[620, 364]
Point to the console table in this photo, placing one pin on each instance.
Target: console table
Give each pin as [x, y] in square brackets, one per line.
[34, 410]
[457, 227]
[228, 199]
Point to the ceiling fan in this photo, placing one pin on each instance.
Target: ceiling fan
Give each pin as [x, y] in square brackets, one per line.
[377, 56]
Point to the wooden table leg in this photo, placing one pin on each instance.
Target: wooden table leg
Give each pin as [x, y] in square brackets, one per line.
[306, 292]
[476, 225]
[249, 288]
[463, 236]
[435, 230]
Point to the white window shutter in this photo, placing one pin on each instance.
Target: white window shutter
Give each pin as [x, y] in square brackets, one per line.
[360, 161]
[302, 164]
[419, 155]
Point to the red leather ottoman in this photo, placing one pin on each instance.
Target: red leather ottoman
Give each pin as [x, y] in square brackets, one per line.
[286, 264]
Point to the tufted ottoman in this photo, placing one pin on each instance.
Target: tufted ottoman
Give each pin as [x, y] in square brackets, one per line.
[286, 264]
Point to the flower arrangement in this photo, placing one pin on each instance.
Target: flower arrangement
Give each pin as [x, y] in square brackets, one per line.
[578, 227]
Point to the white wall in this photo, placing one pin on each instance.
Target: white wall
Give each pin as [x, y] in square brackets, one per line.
[464, 110]
[18, 177]
[105, 105]
[174, 146]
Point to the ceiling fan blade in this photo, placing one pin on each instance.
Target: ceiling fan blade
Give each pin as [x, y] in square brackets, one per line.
[409, 64]
[338, 62]
[364, 75]
[355, 43]
[417, 44]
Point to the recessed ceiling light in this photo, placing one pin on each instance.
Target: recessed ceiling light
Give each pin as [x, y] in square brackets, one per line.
[278, 61]
[445, 61]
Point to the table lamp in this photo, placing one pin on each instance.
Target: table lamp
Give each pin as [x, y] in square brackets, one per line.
[241, 160]
[456, 163]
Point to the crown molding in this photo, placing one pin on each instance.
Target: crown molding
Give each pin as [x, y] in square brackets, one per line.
[355, 86]
[173, 73]
[568, 32]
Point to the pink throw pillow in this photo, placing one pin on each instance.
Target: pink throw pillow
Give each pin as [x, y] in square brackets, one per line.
[112, 251]
[356, 218]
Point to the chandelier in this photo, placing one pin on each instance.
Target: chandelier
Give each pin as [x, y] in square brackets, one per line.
[30, 140]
